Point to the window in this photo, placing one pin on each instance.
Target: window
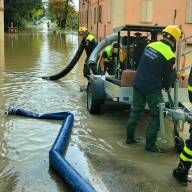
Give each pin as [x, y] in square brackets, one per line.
[90, 17]
[146, 10]
[82, 17]
[188, 18]
[95, 15]
[109, 12]
[100, 13]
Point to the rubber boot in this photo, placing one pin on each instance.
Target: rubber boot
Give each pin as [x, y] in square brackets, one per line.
[181, 173]
[131, 132]
[151, 142]
[151, 136]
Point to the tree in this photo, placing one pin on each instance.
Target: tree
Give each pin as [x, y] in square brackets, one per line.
[61, 10]
[64, 20]
[21, 11]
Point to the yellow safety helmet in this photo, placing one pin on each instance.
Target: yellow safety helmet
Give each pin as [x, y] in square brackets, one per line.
[174, 31]
[82, 30]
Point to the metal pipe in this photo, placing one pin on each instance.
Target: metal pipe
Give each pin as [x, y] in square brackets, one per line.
[162, 122]
[176, 90]
[178, 54]
[97, 19]
[176, 102]
[118, 46]
[128, 64]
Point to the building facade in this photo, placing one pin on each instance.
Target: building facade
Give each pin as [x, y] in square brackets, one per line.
[101, 16]
[1, 34]
[1, 20]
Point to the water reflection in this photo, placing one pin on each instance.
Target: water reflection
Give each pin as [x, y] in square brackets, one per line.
[8, 179]
[2, 62]
[1, 44]
[24, 142]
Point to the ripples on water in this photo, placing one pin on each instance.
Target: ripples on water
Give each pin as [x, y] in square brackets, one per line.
[25, 143]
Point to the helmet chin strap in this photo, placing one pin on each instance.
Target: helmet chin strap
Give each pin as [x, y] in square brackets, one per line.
[171, 43]
[86, 33]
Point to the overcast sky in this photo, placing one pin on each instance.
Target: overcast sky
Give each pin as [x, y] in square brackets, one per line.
[76, 3]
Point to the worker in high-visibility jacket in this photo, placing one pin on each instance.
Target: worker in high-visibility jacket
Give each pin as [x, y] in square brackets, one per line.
[182, 170]
[108, 60]
[89, 43]
[153, 74]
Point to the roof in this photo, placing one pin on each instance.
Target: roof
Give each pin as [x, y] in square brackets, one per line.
[142, 28]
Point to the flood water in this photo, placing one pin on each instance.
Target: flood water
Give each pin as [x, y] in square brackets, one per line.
[25, 143]
[96, 149]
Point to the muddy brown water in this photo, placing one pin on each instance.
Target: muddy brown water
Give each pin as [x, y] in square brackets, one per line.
[97, 148]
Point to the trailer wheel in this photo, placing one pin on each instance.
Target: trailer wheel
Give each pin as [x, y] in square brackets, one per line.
[93, 104]
[179, 144]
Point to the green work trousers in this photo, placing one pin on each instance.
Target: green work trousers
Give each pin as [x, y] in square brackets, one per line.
[139, 102]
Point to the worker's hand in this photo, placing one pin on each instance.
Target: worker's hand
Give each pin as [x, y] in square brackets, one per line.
[174, 67]
[86, 72]
[102, 72]
[168, 90]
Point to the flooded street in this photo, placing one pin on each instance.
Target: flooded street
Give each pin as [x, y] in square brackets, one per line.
[97, 148]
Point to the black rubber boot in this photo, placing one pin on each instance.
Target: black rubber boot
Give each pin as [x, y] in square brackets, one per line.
[131, 141]
[180, 175]
[155, 150]
[150, 144]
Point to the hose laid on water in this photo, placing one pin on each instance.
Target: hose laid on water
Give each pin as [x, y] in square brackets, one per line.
[56, 159]
[69, 67]
[92, 59]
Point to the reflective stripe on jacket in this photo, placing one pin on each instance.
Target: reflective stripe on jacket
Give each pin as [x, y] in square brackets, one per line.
[162, 48]
[186, 154]
[90, 37]
[108, 51]
[89, 44]
[190, 88]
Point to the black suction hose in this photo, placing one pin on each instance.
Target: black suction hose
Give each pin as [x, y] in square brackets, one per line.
[69, 67]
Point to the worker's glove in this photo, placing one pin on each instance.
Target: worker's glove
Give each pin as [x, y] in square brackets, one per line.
[102, 72]
[86, 71]
[190, 132]
[168, 90]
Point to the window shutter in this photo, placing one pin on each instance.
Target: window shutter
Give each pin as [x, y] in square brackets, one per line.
[146, 11]
[100, 14]
[189, 11]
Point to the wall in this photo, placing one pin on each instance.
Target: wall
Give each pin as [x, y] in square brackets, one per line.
[1, 35]
[100, 28]
[162, 13]
[1, 20]
[119, 12]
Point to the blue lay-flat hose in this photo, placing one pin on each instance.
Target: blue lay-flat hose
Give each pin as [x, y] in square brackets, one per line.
[56, 160]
